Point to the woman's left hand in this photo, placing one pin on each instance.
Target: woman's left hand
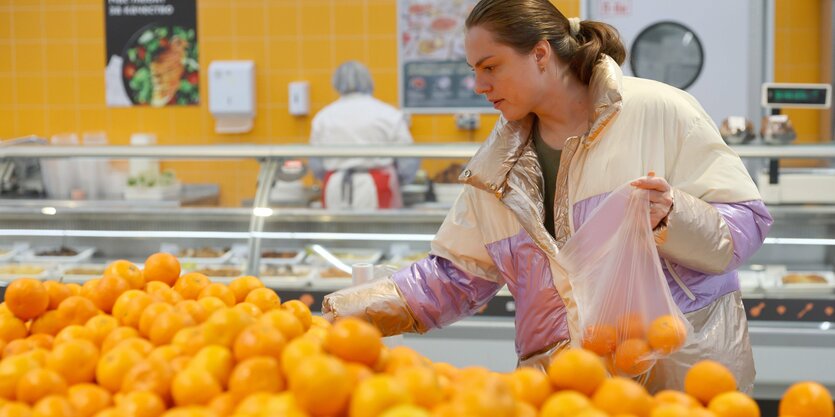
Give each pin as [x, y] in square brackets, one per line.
[660, 197]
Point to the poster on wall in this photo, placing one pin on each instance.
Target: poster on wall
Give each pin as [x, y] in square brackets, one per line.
[433, 73]
[151, 53]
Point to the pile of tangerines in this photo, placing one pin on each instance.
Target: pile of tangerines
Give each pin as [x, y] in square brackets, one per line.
[148, 343]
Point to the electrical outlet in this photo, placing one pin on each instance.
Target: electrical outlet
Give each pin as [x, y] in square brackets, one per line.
[467, 121]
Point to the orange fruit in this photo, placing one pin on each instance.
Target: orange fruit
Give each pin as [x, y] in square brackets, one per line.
[219, 291]
[284, 321]
[12, 370]
[423, 385]
[259, 339]
[734, 404]
[88, 399]
[564, 404]
[242, 286]
[224, 404]
[193, 309]
[74, 288]
[151, 375]
[621, 395]
[194, 386]
[530, 385]
[631, 326]
[666, 334]
[354, 340]
[249, 308]
[577, 369]
[407, 410]
[670, 410]
[358, 371]
[127, 271]
[591, 412]
[211, 304]
[223, 326]
[101, 326]
[676, 397]
[129, 306]
[113, 365]
[16, 347]
[322, 385]
[600, 339]
[77, 310]
[217, 360]
[297, 351]
[107, 290]
[53, 406]
[138, 344]
[49, 323]
[150, 315]
[38, 383]
[15, 409]
[254, 404]
[807, 399]
[75, 360]
[116, 336]
[189, 285]
[41, 340]
[160, 291]
[707, 379]
[188, 340]
[633, 357]
[165, 353]
[141, 404]
[162, 267]
[166, 325]
[400, 357]
[259, 374]
[265, 299]
[485, 396]
[376, 394]
[301, 311]
[317, 321]
[72, 332]
[57, 292]
[26, 298]
[12, 328]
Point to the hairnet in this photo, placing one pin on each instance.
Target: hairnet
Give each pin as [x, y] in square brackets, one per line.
[352, 77]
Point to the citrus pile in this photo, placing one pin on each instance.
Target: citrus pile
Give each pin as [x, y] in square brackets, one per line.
[148, 343]
[629, 347]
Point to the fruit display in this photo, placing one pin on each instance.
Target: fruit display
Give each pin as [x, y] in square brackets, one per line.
[152, 342]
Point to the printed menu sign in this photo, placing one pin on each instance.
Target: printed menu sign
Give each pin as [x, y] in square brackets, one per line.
[151, 53]
[434, 75]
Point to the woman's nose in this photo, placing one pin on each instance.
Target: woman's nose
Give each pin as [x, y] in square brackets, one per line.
[481, 87]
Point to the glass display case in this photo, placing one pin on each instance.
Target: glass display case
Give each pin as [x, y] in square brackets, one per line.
[788, 286]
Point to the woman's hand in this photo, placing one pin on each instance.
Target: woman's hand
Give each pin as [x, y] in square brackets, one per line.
[660, 197]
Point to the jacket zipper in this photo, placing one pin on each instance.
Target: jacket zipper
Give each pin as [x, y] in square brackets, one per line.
[679, 281]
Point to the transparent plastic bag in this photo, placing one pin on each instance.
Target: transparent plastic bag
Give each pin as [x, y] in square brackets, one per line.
[626, 312]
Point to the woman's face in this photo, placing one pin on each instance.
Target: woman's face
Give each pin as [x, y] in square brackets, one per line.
[511, 81]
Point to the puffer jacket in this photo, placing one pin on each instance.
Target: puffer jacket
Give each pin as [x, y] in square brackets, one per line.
[494, 234]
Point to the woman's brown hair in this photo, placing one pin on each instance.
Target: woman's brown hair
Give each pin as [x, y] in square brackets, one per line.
[520, 24]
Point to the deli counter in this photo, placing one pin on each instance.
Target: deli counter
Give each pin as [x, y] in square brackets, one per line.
[788, 286]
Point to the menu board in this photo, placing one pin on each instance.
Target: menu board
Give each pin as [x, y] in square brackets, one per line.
[151, 53]
[433, 73]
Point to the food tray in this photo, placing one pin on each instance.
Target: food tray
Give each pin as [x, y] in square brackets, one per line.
[7, 253]
[224, 256]
[407, 259]
[296, 258]
[11, 272]
[31, 255]
[348, 256]
[80, 273]
[749, 281]
[223, 274]
[773, 283]
[287, 276]
[323, 280]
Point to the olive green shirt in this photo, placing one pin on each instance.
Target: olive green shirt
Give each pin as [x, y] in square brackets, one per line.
[549, 160]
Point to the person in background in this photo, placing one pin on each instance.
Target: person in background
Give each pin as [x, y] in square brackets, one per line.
[574, 128]
[357, 118]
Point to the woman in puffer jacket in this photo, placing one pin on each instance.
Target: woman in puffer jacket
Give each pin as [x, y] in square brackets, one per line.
[573, 129]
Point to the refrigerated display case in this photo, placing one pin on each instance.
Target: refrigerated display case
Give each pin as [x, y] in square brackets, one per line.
[789, 321]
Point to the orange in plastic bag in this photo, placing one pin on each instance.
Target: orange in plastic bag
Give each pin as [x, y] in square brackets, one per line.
[627, 314]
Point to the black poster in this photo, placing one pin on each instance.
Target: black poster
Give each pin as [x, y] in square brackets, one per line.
[152, 54]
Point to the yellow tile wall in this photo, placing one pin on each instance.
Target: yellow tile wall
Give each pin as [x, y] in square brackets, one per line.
[52, 59]
[797, 58]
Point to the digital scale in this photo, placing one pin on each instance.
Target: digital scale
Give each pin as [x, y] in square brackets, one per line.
[794, 185]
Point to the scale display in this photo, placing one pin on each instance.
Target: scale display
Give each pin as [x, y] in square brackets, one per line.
[776, 95]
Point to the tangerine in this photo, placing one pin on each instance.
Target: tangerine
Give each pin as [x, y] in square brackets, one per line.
[667, 334]
[632, 357]
[242, 286]
[707, 379]
[807, 399]
[354, 340]
[577, 369]
[127, 271]
[189, 285]
[734, 404]
[26, 298]
[600, 339]
[163, 267]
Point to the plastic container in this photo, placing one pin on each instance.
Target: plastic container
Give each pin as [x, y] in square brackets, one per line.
[60, 174]
[140, 166]
[93, 172]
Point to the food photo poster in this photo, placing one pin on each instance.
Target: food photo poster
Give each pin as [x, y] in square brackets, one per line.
[152, 53]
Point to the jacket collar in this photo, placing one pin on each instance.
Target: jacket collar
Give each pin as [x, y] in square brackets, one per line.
[489, 167]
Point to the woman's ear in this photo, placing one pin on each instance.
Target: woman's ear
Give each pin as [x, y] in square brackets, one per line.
[542, 53]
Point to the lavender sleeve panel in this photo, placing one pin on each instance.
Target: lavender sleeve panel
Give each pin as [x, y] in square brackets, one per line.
[439, 293]
[749, 223]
